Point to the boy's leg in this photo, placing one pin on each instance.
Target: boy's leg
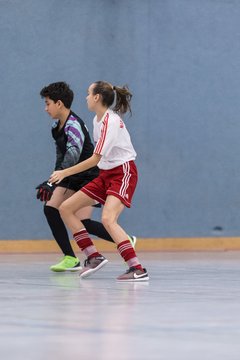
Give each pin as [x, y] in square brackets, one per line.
[69, 262]
[58, 229]
[97, 229]
[93, 227]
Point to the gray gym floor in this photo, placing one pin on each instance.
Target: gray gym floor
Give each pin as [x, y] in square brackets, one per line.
[190, 309]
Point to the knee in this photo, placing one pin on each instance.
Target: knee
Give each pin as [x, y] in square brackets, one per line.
[107, 220]
[63, 209]
[104, 221]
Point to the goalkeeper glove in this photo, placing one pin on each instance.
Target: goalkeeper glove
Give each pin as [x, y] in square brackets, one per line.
[45, 191]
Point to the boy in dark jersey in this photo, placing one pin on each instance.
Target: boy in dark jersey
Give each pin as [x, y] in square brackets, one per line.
[73, 145]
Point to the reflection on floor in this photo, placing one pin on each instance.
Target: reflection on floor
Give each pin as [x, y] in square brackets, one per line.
[190, 309]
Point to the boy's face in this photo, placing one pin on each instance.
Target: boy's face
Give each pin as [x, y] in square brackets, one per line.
[53, 109]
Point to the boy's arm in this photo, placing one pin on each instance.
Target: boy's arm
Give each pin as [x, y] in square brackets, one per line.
[74, 146]
[59, 159]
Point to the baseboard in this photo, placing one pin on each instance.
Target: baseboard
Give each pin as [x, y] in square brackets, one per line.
[143, 244]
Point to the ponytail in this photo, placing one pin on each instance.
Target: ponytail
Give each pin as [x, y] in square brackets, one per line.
[122, 99]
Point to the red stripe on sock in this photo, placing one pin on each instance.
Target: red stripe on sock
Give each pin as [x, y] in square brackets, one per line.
[126, 250]
[82, 239]
[85, 243]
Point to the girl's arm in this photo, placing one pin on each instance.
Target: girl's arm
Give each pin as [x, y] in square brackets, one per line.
[59, 175]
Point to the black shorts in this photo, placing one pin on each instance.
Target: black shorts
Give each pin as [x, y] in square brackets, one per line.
[76, 185]
[73, 184]
[77, 181]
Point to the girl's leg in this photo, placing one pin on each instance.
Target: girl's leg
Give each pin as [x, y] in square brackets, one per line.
[58, 228]
[69, 211]
[96, 228]
[93, 227]
[112, 209]
[72, 207]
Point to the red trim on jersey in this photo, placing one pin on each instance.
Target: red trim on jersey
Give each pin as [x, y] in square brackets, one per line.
[101, 141]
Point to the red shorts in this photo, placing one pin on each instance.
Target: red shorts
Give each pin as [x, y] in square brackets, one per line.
[120, 181]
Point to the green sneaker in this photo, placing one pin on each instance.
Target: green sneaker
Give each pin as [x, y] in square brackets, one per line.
[133, 240]
[67, 263]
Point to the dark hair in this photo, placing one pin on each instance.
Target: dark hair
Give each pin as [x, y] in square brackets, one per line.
[123, 96]
[58, 91]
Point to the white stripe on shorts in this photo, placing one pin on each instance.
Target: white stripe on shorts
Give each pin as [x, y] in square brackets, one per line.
[125, 180]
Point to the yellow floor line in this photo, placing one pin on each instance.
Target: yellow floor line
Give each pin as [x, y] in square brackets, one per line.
[143, 244]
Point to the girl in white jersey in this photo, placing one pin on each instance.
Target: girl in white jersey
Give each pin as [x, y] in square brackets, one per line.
[114, 187]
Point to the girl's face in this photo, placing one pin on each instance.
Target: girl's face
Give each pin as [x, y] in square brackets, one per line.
[91, 98]
[52, 108]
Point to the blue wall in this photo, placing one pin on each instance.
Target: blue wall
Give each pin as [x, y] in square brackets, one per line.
[181, 59]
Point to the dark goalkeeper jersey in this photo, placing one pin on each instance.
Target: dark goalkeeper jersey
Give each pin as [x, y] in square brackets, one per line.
[73, 145]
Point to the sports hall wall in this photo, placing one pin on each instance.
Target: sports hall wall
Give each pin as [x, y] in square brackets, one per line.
[180, 58]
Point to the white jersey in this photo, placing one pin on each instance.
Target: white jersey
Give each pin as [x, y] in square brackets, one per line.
[112, 140]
